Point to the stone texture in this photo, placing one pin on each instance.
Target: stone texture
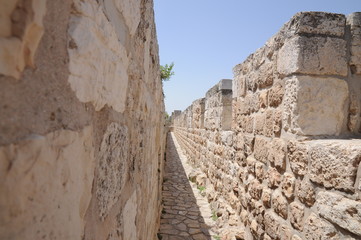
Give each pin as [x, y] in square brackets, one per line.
[277, 153]
[280, 204]
[334, 163]
[313, 55]
[306, 192]
[342, 211]
[321, 23]
[314, 106]
[53, 177]
[317, 228]
[98, 62]
[113, 157]
[288, 185]
[355, 49]
[297, 212]
[298, 157]
[20, 34]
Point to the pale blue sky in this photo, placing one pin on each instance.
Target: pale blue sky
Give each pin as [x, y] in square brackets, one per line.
[207, 38]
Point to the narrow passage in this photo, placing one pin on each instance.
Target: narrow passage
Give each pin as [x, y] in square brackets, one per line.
[186, 213]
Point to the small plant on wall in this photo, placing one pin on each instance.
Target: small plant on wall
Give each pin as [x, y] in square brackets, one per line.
[166, 71]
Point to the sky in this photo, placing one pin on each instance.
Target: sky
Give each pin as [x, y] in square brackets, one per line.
[206, 38]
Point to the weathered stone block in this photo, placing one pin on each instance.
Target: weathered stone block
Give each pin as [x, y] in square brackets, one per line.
[322, 23]
[342, 211]
[272, 224]
[261, 149]
[259, 123]
[315, 106]
[113, 158]
[313, 55]
[268, 124]
[273, 177]
[306, 192]
[297, 212]
[298, 157]
[275, 95]
[288, 185]
[266, 197]
[318, 228]
[355, 49]
[280, 204]
[277, 153]
[334, 163]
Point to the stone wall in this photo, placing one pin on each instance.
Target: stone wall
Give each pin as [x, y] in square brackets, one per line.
[81, 120]
[289, 167]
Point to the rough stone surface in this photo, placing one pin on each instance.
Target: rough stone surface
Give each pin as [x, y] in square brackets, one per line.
[314, 106]
[313, 55]
[53, 176]
[337, 209]
[334, 163]
[113, 156]
[317, 228]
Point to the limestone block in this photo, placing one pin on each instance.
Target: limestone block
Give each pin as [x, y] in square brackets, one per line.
[288, 185]
[297, 212]
[255, 189]
[315, 106]
[259, 123]
[261, 149]
[334, 163]
[313, 55]
[273, 177]
[266, 197]
[277, 153]
[280, 204]
[306, 192]
[113, 167]
[21, 29]
[321, 23]
[298, 157]
[317, 228]
[265, 75]
[46, 185]
[98, 62]
[259, 170]
[285, 232]
[275, 94]
[272, 224]
[263, 99]
[249, 141]
[268, 124]
[277, 121]
[355, 49]
[342, 211]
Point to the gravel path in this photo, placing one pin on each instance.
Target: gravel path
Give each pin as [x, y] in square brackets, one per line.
[186, 213]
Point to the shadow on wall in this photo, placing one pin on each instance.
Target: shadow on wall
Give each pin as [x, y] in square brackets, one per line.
[181, 217]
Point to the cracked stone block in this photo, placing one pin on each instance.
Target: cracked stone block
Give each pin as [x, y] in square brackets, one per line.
[334, 163]
[340, 210]
[313, 55]
[315, 106]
